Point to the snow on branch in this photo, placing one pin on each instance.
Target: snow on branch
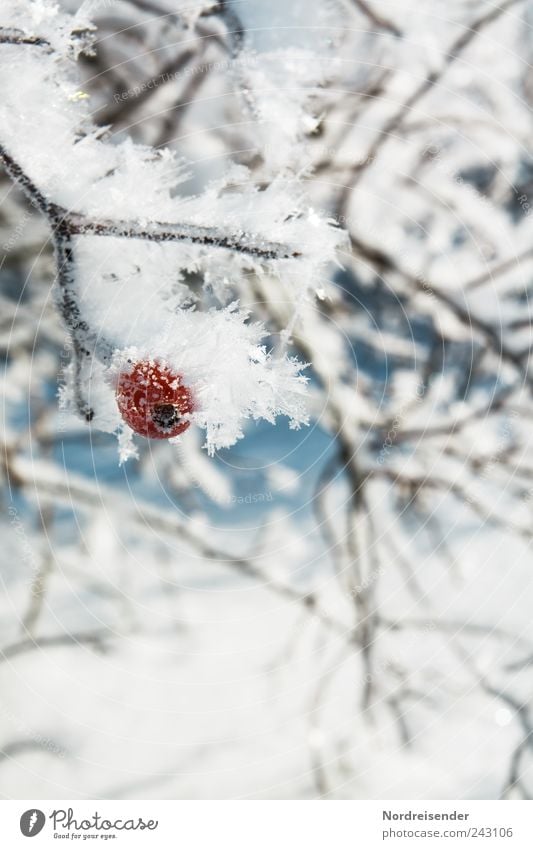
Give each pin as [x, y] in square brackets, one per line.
[125, 237]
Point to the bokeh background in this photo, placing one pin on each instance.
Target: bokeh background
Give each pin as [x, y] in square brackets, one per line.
[342, 611]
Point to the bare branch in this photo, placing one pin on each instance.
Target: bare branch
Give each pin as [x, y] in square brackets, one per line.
[96, 639]
[377, 20]
[469, 319]
[497, 270]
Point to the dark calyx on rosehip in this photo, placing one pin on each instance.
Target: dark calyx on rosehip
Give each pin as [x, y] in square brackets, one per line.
[166, 416]
[153, 401]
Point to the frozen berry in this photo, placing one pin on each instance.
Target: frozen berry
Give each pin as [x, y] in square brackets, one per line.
[153, 400]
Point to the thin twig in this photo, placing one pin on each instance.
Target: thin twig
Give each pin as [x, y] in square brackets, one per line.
[72, 223]
[212, 237]
[378, 20]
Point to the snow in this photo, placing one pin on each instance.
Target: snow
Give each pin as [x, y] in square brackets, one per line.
[263, 611]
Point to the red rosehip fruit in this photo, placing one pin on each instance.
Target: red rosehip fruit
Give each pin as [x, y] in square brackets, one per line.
[153, 400]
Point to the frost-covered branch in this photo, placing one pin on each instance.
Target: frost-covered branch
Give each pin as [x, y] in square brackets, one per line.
[377, 20]
[397, 545]
[84, 185]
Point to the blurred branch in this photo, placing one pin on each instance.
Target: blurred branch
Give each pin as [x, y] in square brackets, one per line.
[9, 751]
[95, 639]
[72, 490]
[72, 223]
[377, 20]
[417, 483]
[120, 111]
[386, 262]
[497, 270]
[212, 237]
[450, 56]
